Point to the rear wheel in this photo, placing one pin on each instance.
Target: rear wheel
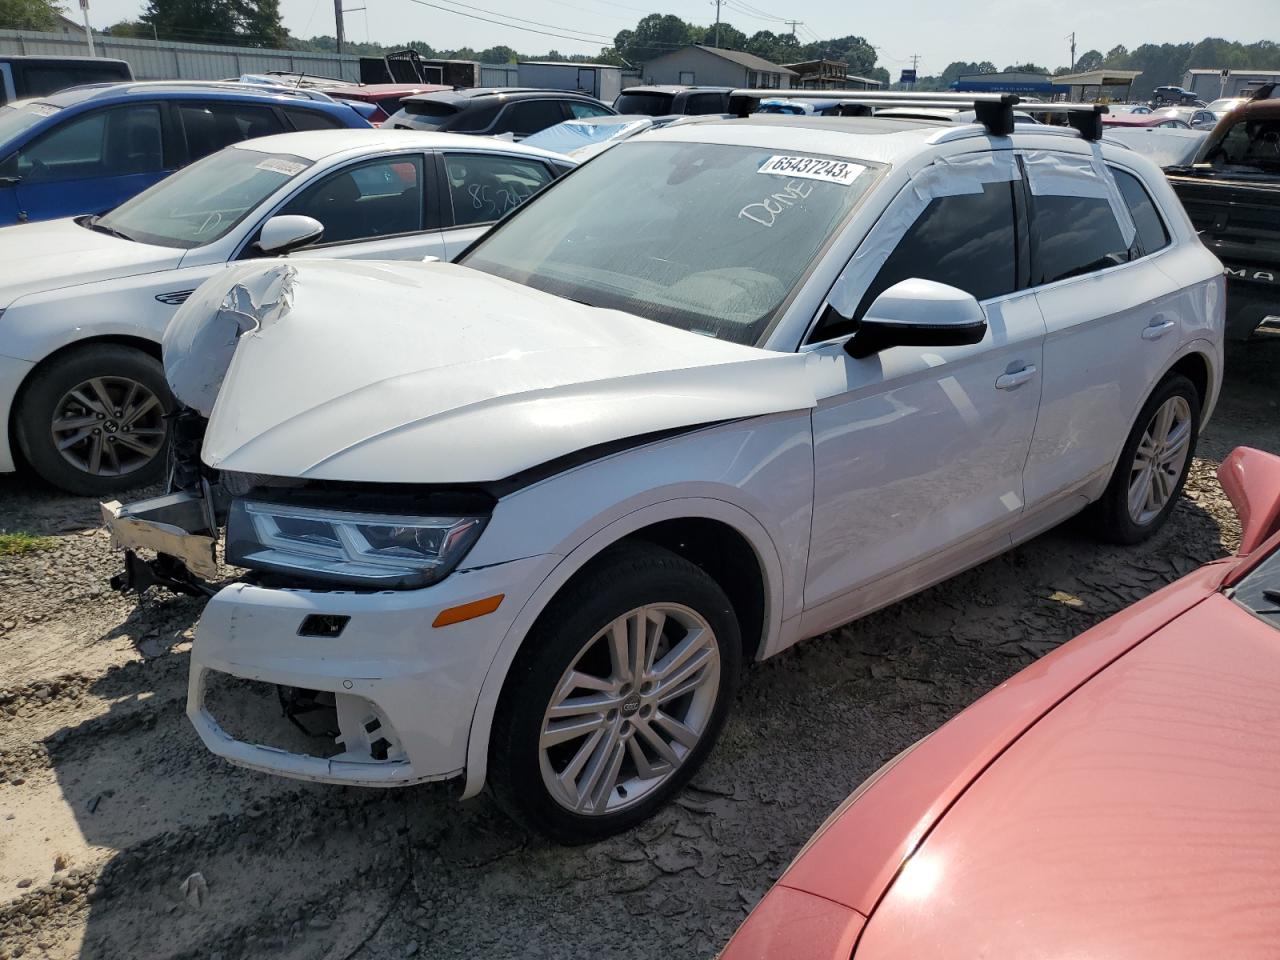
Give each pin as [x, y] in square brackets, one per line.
[1153, 465]
[617, 698]
[93, 420]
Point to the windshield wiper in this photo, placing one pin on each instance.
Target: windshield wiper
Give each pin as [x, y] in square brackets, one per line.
[93, 224]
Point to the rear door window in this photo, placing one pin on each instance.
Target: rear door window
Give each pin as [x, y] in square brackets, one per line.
[210, 126]
[382, 198]
[1152, 233]
[579, 109]
[484, 187]
[106, 143]
[1073, 236]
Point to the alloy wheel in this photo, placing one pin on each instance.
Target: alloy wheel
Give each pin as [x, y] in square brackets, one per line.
[1159, 460]
[629, 709]
[108, 426]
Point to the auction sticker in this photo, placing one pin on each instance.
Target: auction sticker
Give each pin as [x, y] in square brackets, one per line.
[288, 167]
[813, 168]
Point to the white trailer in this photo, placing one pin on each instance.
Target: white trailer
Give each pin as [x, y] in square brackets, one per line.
[599, 80]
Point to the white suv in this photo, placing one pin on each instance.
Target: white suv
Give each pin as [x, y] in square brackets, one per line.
[522, 519]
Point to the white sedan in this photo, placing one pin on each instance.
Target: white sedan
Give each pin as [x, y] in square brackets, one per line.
[84, 301]
[727, 386]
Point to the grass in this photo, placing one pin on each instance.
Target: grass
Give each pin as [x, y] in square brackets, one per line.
[13, 544]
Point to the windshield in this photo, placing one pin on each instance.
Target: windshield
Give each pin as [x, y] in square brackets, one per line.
[205, 201]
[1259, 590]
[651, 104]
[1248, 143]
[710, 238]
[573, 134]
[17, 119]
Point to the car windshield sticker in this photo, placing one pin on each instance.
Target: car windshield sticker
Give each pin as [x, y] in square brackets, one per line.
[287, 167]
[44, 109]
[813, 168]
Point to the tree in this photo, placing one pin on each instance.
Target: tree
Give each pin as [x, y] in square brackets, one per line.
[1027, 68]
[1089, 60]
[501, 54]
[28, 14]
[193, 21]
[653, 36]
[258, 23]
[130, 28]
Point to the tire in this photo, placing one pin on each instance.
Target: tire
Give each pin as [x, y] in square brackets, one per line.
[84, 390]
[1115, 519]
[640, 580]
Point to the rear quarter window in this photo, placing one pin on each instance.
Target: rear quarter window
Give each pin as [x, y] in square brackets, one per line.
[1152, 233]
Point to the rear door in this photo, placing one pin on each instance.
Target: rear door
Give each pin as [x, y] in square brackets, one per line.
[210, 125]
[380, 209]
[1112, 316]
[92, 162]
[479, 188]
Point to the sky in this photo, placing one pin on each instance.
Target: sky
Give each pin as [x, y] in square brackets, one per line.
[938, 31]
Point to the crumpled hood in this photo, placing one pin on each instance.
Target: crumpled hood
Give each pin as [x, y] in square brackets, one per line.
[435, 373]
[61, 253]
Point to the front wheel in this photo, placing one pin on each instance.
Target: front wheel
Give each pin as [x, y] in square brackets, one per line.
[618, 695]
[1153, 465]
[93, 422]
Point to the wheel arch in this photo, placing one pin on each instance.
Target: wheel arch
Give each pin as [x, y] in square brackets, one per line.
[150, 347]
[692, 527]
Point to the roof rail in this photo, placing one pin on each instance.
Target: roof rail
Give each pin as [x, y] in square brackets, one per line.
[995, 111]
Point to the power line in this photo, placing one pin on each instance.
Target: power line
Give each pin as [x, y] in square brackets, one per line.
[588, 39]
[536, 23]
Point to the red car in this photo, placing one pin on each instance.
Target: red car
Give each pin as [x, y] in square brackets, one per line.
[386, 96]
[1119, 798]
[1143, 120]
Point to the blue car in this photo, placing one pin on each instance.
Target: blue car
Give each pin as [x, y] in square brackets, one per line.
[88, 149]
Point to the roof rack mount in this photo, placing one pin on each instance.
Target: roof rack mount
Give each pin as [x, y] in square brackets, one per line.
[995, 111]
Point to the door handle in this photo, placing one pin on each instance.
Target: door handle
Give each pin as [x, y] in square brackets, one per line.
[1012, 381]
[1157, 328]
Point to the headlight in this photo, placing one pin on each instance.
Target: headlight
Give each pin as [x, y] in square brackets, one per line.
[361, 549]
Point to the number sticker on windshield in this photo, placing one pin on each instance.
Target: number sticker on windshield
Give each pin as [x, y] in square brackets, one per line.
[287, 167]
[812, 168]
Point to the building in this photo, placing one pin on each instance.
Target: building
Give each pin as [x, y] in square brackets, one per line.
[819, 74]
[1211, 84]
[1038, 84]
[712, 67]
[854, 82]
[1098, 86]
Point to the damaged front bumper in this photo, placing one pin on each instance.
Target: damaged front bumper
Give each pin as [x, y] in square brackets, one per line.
[402, 690]
[181, 528]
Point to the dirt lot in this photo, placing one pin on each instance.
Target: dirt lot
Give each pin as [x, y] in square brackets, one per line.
[108, 801]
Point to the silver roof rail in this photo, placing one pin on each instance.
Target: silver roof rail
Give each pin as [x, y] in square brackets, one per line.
[993, 110]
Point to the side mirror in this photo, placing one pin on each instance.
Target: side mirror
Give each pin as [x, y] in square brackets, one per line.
[1251, 480]
[918, 313]
[282, 234]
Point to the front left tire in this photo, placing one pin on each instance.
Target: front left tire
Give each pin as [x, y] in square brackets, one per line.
[617, 697]
[92, 421]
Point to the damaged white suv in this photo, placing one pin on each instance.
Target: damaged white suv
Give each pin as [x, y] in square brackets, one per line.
[521, 520]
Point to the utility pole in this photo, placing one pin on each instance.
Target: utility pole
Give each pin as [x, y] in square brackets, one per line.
[1072, 38]
[793, 24]
[715, 43]
[915, 69]
[337, 15]
[88, 30]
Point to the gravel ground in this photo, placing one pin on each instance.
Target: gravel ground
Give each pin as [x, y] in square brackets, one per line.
[109, 803]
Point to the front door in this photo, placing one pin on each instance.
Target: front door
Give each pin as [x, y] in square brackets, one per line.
[92, 163]
[919, 451]
[372, 210]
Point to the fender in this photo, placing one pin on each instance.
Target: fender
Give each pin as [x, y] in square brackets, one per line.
[711, 509]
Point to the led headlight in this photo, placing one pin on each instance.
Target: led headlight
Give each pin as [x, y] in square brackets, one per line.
[356, 549]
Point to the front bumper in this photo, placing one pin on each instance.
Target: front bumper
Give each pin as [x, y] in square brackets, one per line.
[404, 690]
[1250, 300]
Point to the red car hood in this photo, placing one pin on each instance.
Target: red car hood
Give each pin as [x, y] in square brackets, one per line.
[1137, 819]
